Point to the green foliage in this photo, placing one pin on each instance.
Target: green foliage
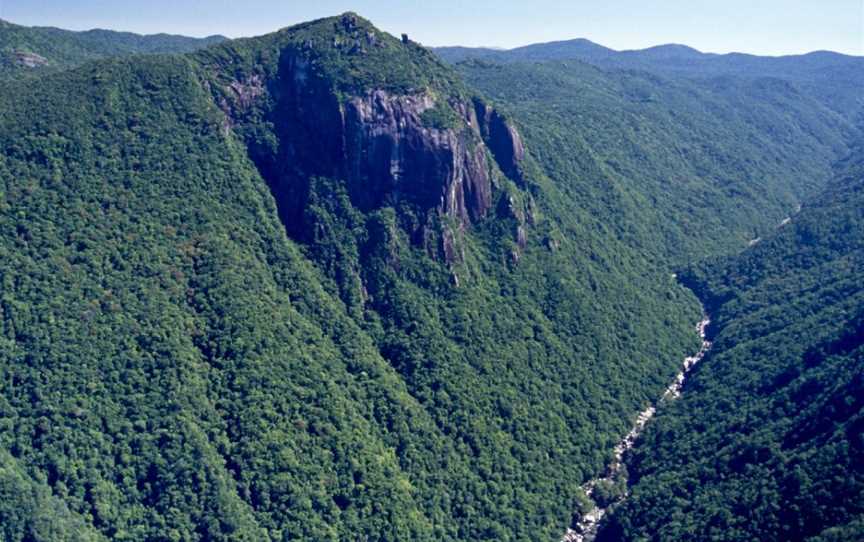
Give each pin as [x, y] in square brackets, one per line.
[685, 169]
[583, 504]
[440, 116]
[175, 366]
[191, 384]
[347, 52]
[608, 492]
[767, 441]
[57, 49]
[29, 512]
[832, 78]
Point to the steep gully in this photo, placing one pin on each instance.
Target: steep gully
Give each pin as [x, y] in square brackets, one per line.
[585, 530]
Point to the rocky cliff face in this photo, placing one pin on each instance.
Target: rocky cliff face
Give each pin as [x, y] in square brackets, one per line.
[418, 148]
[28, 60]
[502, 138]
[391, 153]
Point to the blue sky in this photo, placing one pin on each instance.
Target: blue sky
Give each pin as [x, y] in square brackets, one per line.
[753, 26]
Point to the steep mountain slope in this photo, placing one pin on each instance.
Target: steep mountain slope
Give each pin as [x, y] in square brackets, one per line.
[686, 169]
[304, 286]
[35, 50]
[311, 285]
[768, 441]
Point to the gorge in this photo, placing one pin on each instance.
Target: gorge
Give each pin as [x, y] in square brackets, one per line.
[321, 284]
[587, 522]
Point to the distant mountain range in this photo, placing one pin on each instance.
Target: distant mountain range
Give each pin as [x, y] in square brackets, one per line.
[681, 55]
[24, 49]
[321, 285]
[843, 72]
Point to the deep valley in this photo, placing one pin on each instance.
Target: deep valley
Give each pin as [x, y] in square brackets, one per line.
[329, 284]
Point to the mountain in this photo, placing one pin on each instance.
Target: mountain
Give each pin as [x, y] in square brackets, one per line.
[670, 51]
[834, 78]
[689, 168]
[767, 441]
[320, 285]
[556, 50]
[307, 285]
[27, 50]
[667, 58]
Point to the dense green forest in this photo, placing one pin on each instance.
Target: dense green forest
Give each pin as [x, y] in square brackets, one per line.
[694, 175]
[320, 285]
[768, 441]
[176, 367]
[27, 51]
[687, 168]
[833, 78]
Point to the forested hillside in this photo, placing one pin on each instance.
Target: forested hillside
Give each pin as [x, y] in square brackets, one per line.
[27, 51]
[687, 168]
[834, 79]
[768, 440]
[319, 285]
[189, 354]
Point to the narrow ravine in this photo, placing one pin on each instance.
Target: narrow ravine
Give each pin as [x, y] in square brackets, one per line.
[585, 530]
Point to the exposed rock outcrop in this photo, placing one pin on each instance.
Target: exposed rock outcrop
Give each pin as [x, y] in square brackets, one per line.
[28, 60]
[391, 154]
[248, 90]
[502, 139]
[377, 142]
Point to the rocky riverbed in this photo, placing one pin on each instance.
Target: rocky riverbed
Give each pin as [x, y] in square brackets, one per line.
[586, 528]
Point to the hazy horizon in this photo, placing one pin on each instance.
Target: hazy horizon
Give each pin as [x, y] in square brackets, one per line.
[773, 28]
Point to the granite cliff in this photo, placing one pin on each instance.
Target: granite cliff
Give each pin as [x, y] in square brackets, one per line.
[423, 145]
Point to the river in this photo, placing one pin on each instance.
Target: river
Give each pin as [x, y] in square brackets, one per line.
[585, 530]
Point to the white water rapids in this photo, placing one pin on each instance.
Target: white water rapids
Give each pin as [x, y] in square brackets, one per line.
[586, 529]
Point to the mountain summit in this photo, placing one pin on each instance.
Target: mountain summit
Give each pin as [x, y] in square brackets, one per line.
[336, 98]
[314, 286]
